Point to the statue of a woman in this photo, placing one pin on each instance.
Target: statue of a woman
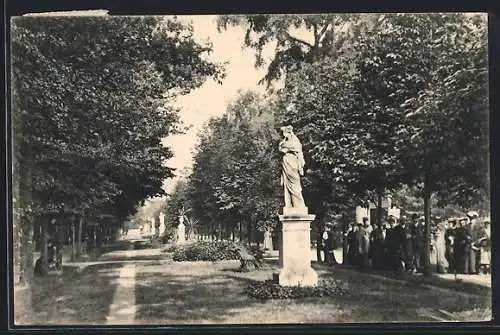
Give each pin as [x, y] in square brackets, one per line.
[293, 168]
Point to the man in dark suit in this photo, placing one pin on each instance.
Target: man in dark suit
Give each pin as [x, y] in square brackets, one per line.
[418, 234]
[461, 247]
[352, 244]
[475, 232]
[378, 247]
[408, 245]
[390, 259]
[399, 245]
[449, 238]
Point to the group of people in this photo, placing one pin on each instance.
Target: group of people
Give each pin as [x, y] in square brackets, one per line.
[467, 245]
[399, 244]
[393, 245]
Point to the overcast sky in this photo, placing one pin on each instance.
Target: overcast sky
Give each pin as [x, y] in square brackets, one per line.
[211, 99]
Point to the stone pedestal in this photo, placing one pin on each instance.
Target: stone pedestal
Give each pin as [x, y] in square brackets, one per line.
[295, 249]
[268, 242]
[162, 224]
[152, 224]
[181, 233]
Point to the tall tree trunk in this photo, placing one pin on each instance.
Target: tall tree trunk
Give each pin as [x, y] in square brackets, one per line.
[44, 251]
[23, 220]
[380, 195]
[232, 233]
[427, 214]
[79, 235]
[345, 227]
[319, 241]
[240, 227]
[220, 232]
[319, 234]
[250, 232]
[26, 249]
[99, 236]
[73, 239]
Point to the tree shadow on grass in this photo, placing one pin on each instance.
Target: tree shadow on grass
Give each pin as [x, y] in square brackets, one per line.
[73, 298]
[417, 280]
[215, 295]
[379, 300]
[176, 299]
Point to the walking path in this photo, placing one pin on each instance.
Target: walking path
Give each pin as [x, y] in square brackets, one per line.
[123, 308]
[431, 287]
[481, 279]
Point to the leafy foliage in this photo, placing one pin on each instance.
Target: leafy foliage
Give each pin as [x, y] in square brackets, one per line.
[206, 251]
[297, 39]
[388, 101]
[268, 289]
[91, 107]
[235, 171]
[91, 102]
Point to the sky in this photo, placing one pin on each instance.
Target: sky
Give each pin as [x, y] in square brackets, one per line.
[211, 98]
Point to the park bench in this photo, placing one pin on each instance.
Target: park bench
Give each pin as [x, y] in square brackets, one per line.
[250, 260]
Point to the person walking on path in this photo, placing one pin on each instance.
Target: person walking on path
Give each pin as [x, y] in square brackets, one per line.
[440, 246]
[408, 245]
[329, 245]
[377, 247]
[364, 243]
[475, 232]
[485, 256]
[461, 250]
[399, 246]
[418, 233]
[449, 237]
[352, 244]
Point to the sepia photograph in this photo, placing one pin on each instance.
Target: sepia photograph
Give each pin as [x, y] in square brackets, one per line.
[250, 169]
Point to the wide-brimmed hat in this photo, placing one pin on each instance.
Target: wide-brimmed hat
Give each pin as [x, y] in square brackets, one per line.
[472, 214]
[286, 128]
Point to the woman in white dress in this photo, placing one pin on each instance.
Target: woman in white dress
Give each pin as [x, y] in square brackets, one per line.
[486, 246]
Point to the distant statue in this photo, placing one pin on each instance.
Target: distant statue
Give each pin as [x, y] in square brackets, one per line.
[293, 168]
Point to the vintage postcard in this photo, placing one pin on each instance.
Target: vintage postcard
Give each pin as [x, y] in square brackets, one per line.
[250, 169]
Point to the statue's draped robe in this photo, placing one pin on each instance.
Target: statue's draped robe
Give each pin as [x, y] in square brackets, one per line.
[293, 165]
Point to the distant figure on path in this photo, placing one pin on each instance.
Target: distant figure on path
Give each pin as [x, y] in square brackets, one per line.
[449, 237]
[485, 256]
[461, 247]
[268, 242]
[352, 244]
[378, 247]
[364, 243]
[477, 234]
[293, 168]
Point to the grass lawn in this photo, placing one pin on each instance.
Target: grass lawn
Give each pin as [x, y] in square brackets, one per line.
[203, 292]
[71, 298]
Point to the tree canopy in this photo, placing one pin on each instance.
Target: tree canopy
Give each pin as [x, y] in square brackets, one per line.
[92, 100]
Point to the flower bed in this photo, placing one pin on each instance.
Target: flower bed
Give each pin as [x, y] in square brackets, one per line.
[266, 290]
[206, 251]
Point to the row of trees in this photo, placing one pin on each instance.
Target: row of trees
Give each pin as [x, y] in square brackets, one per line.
[91, 102]
[380, 102]
[232, 190]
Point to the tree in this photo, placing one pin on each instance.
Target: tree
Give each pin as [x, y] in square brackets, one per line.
[91, 102]
[360, 122]
[177, 202]
[446, 145]
[298, 39]
[234, 179]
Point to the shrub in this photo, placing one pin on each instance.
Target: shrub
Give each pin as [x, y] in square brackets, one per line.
[206, 251]
[265, 290]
